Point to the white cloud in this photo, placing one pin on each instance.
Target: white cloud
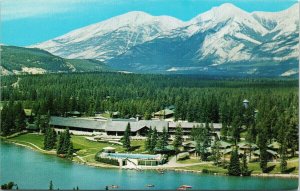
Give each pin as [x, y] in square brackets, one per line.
[17, 9]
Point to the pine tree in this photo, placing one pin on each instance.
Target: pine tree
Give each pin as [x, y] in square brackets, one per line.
[224, 131]
[5, 128]
[50, 185]
[37, 121]
[235, 130]
[203, 141]
[283, 162]
[234, 165]
[70, 151]
[46, 139]
[66, 141]
[64, 145]
[20, 117]
[52, 139]
[178, 138]
[148, 140]
[60, 145]
[216, 153]
[126, 138]
[154, 139]
[164, 138]
[262, 144]
[244, 170]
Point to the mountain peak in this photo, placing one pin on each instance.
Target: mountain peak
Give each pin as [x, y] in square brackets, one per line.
[228, 6]
[221, 13]
[134, 15]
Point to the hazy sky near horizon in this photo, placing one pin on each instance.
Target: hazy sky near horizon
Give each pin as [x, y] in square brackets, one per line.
[26, 22]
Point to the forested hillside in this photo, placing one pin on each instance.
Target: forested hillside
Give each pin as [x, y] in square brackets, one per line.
[18, 60]
[272, 113]
[195, 98]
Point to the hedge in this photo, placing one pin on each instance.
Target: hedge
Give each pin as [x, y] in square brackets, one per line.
[107, 160]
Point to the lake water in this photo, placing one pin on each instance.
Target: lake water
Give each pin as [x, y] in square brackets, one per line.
[33, 170]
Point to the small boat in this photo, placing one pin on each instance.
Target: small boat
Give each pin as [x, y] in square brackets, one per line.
[186, 186]
[114, 186]
[150, 185]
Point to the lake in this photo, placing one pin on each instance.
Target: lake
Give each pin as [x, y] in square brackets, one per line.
[33, 170]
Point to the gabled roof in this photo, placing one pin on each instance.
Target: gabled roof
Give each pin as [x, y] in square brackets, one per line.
[274, 145]
[74, 112]
[191, 125]
[77, 122]
[224, 144]
[135, 125]
[28, 112]
[164, 112]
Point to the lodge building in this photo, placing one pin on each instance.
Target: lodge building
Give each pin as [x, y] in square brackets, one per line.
[117, 127]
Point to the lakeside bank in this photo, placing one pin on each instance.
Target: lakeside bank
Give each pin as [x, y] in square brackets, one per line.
[33, 147]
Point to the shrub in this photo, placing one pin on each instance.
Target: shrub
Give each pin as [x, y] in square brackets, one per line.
[107, 160]
[205, 171]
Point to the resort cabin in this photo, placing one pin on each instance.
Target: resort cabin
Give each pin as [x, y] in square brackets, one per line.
[73, 114]
[272, 155]
[188, 126]
[190, 147]
[29, 115]
[164, 114]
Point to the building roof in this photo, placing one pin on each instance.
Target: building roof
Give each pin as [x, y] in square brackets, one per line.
[274, 145]
[112, 125]
[191, 144]
[109, 148]
[74, 112]
[28, 112]
[77, 122]
[273, 153]
[164, 112]
[191, 125]
[171, 107]
[224, 144]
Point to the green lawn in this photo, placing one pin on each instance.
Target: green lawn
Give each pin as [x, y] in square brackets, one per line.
[83, 147]
[274, 167]
[138, 146]
[210, 167]
[86, 147]
[252, 166]
[189, 161]
[32, 138]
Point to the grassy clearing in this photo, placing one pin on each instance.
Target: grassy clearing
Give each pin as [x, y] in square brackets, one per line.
[189, 161]
[84, 148]
[274, 167]
[210, 167]
[35, 139]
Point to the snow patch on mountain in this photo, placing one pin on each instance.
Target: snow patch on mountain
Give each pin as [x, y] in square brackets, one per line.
[224, 34]
[290, 72]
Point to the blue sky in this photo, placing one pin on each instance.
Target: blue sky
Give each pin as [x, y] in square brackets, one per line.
[26, 22]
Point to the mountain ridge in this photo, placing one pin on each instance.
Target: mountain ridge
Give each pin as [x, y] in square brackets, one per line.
[223, 37]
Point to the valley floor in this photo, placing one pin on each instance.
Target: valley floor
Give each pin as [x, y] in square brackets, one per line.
[86, 151]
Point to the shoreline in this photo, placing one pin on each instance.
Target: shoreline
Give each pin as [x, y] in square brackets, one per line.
[103, 165]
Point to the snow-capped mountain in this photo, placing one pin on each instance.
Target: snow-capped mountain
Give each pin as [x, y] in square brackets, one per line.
[107, 39]
[225, 38]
